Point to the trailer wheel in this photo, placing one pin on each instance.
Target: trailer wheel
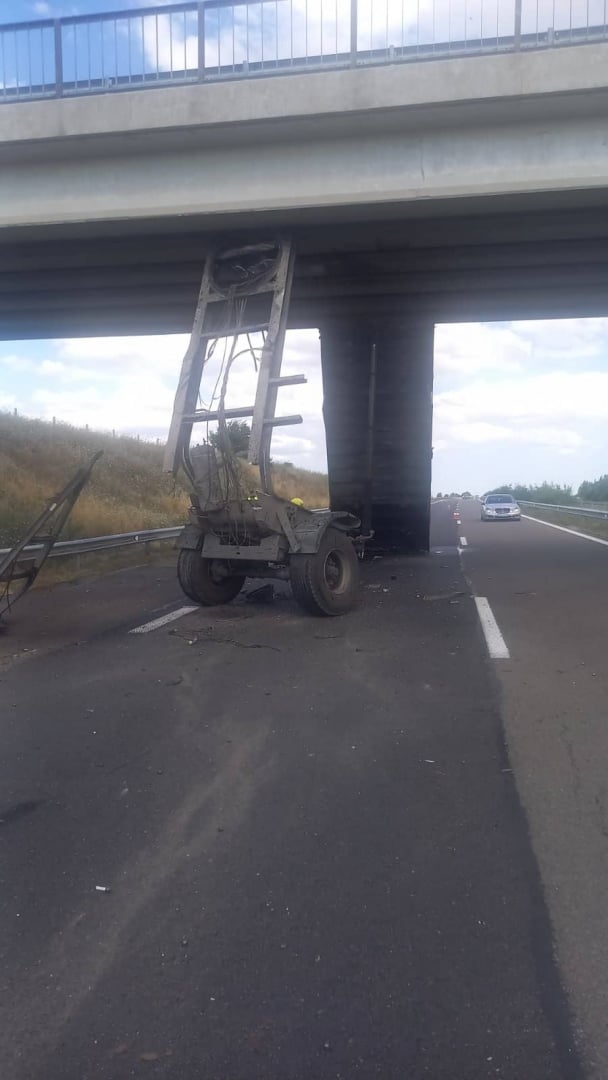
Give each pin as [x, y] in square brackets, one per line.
[327, 583]
[205, 580]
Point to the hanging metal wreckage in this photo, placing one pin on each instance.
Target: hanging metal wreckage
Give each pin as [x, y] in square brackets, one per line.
[21, 565]
[233, 533]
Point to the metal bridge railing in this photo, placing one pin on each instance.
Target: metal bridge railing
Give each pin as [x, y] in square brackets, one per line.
[102, 543]
[205, 40]
[576, 511]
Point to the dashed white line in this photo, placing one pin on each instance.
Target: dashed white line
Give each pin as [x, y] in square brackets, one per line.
[562, 528]
[463, 541]
[155, 624]
[497, 646]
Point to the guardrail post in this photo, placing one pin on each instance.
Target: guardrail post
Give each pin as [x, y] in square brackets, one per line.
[58, 59]
[517, 26]
[201, 41]
[354, 31]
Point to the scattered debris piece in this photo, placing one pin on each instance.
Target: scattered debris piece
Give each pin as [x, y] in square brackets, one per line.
[149, 1057]
[207, 636]
[241, 644]
[444, 596]
[102, 888]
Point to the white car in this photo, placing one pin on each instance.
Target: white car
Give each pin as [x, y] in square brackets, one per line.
[500, 508]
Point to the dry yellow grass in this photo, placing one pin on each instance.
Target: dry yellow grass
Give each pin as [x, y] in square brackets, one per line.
[291, 483]
[128, 489]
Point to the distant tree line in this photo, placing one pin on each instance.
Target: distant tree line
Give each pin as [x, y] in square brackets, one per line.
[560, 494]
[594, 490]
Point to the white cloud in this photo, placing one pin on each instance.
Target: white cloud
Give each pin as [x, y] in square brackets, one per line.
[42, 8]
[17, 362]
[466, 349]
[521, 401]
[128, 384]
[568, 340]
[554, 396]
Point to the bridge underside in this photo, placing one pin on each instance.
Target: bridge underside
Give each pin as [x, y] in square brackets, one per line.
[375, 288]
[518, 261]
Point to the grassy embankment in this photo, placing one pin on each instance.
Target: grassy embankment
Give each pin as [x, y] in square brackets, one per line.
[128, 489]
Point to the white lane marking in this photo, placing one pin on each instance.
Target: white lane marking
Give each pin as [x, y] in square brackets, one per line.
[463, 541]
[163, 620]
[562, 528]
[497, 647]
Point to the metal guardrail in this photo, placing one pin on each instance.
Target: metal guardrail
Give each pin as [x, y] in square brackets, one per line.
[204, 40]
[580, 511]
[102, 543]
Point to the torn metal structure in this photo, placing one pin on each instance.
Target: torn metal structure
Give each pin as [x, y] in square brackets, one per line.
[21, 565]
[234, 532]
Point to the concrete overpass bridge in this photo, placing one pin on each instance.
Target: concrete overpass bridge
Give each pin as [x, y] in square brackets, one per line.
[419, 189]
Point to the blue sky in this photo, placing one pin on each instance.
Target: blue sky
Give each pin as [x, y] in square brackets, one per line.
[24, 10]
[513, 402]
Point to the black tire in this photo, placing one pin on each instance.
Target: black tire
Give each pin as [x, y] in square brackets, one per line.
[327, 583]
[201, 582]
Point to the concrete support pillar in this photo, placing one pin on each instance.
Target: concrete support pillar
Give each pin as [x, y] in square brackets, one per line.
[378, 380]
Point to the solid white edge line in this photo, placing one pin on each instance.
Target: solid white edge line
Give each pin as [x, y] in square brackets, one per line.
[562, 528]
[463, 541]
[497, 647]
[163, 620]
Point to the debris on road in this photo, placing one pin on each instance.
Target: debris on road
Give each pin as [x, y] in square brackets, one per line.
[206, 635]
[444, 596]
[263, 595]
[103, 888]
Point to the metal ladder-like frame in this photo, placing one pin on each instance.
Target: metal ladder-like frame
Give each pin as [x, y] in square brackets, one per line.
[277, 281]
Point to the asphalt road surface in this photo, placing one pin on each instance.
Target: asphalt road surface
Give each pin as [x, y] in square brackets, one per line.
[247, 844]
